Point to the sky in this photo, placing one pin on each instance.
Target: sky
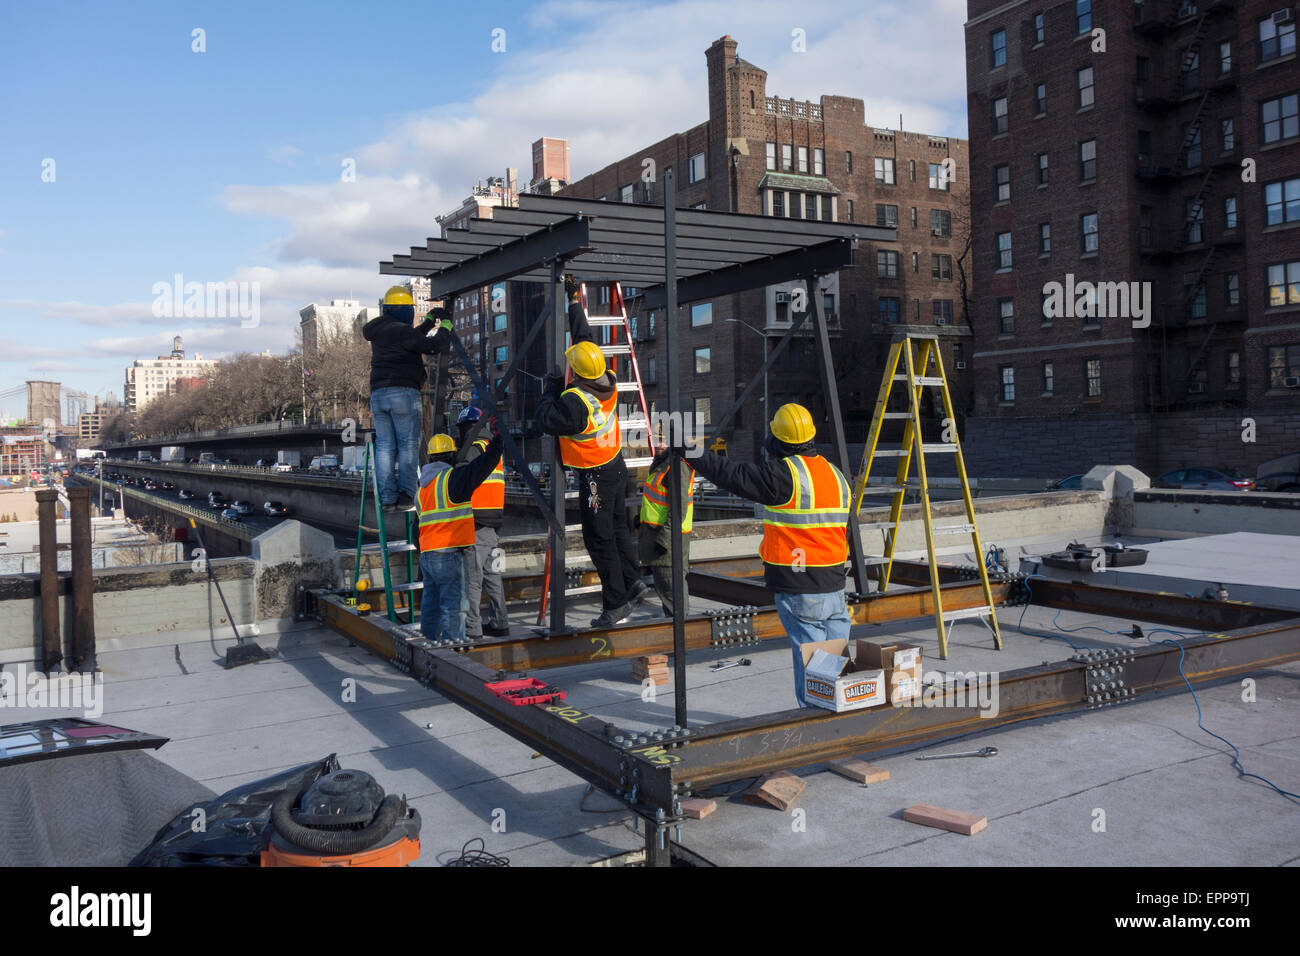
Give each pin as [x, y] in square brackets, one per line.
[132, 156]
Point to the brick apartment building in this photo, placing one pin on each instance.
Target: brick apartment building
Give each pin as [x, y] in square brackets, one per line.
[1126, 165]
[764, 155]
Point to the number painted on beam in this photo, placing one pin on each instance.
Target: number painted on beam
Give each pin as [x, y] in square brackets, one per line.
[603, 650]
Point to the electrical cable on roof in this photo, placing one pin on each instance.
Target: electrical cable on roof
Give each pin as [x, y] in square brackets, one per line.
[478, 857]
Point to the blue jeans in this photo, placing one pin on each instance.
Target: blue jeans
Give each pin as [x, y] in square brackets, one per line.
[398, 418]
[445, 600]
[811, 617]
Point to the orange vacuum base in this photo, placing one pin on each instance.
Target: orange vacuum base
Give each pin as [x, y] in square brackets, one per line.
[399, 853]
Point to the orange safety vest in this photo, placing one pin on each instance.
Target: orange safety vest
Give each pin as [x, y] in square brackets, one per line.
[491, 495]
[809, 529]
[599, 442]
[444, 524]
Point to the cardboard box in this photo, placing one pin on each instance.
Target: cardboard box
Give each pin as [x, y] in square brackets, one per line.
[901, 663]
[835, 681]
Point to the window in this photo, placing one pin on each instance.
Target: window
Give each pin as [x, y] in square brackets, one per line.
[703, 361]
[886, 264]
[1275, 39]
[1044, 238]
[1008, 375]
[625, 194]
[913, 217]
[1232, 368]
[1088, 231]
[848, 161]
[1231, 289]
[1002, 183]
[998, 51]
[1230, 212]
[884, 170]
[1040, 99]
[1006, 317]
[1280, 118]
[1039, 32]
[1195, 220]
[702, 412]
[1192, 137]
[828, 209]
[1227, 135]
[498, 322]
[778, 203]
[911, 170]
[916, 262]
[1004, 250]
[851, 219]
[1087, 160]
[1042, 169]
[819, 162]
[940, 267]
[502, 354]
[1283, 363]
[771, 156]
[942, 311]
[1225, 57]
[938, 176]
[1191, 69]
[1283, 284]
[1049, 378]
[888, 309]
[701, 314]
[787, 157]
[940, 223]
[999, 115]
[803, 159]
[958, 356]
[1092, 374]
[697, 167]
[1196, 303]
[796, 205]
[1282, 202]
[1146, 227]
[886, 215]
[1085, 87]
[1083, 16]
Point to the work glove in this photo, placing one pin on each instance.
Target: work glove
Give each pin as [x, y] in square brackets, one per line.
[661, 460]
[572, 288]
[495, 429]
[438, 314]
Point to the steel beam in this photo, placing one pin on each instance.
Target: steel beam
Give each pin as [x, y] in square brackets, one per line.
[813, 260]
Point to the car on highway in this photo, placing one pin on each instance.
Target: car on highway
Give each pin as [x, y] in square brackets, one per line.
[217, 500]
[230, 514]
[168, 486]
[185, 494]
[1073, 483]
[150, 485]
[1205, 479]
[275, 509]
[1279, 474]
[282, 466]
[243, 507]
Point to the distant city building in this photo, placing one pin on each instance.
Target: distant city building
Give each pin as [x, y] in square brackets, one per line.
[146, 379]
[90, 424]
[550, 166]
[322, 321]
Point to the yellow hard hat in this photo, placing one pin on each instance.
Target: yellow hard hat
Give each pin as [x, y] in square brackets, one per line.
[586, 360]
[793, 424]
[398, 295]
[441, 444]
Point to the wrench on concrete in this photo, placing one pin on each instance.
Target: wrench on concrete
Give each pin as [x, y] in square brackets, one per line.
[982, 752]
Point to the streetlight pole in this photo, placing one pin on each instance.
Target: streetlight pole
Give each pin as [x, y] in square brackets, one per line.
[767, 410]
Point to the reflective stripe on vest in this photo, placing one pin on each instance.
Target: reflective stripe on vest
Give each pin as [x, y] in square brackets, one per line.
[598, 443]
[444, 523]
[491, 495]
[654, 500]
[809, 529]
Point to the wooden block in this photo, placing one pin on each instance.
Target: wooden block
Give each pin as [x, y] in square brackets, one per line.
[945, 819]
[654, 658]
[697, 808]
[779, 790]
[859, 770]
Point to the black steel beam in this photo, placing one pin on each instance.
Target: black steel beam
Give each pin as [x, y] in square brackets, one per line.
[814, 260]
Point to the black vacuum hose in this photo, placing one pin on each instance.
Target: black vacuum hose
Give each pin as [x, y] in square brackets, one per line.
[333, 842]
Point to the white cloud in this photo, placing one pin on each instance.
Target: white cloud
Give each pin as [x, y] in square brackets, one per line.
[285, 154]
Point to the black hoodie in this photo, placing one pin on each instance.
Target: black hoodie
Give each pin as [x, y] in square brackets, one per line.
[397, 348]
[770, 484]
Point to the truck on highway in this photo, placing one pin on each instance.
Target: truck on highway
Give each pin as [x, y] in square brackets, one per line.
[207, 458]
[143, 456]
[84, 454]
[173, 453]
[287, 460]
[324, 463]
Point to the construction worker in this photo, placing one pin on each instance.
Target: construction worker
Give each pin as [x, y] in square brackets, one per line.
[447, 532]
[654, 538]
[585, 419]
[397, 350]
[805, 544]
[484, 560]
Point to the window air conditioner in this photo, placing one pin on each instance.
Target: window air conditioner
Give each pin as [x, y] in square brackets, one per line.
[1286, 15]
[959, 366]
[1291, 381]
[783, 297]
[1196, 388]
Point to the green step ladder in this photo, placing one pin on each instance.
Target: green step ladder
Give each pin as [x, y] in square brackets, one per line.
[386, 549]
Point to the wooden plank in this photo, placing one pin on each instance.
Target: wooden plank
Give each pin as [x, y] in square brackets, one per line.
[859, 770]
[697, 808]
[945, 819]
[780, 790]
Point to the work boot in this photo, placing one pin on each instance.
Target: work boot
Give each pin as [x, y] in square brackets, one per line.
[497, 630]
[614, 615]
[404, 502]
[639, 591]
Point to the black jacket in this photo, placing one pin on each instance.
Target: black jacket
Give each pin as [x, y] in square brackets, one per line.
[770, 484]
[468, 475]
[397, 348]
[559, 414]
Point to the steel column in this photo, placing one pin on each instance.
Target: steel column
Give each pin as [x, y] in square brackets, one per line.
[559, 323]
[51, 642]
[677, 440]
[83, 657]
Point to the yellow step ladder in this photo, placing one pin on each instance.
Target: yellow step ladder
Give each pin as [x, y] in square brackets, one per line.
[916, 354]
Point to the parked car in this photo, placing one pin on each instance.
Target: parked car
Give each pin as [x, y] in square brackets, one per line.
[1073, 483]
[230, 514]
[1206, 479]
[274, 509]
[185, 494]
[1279, 474]
[243, 507]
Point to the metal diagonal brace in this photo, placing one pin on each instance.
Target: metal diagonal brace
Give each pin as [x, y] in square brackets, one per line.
[777, 352]
[513, 368]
